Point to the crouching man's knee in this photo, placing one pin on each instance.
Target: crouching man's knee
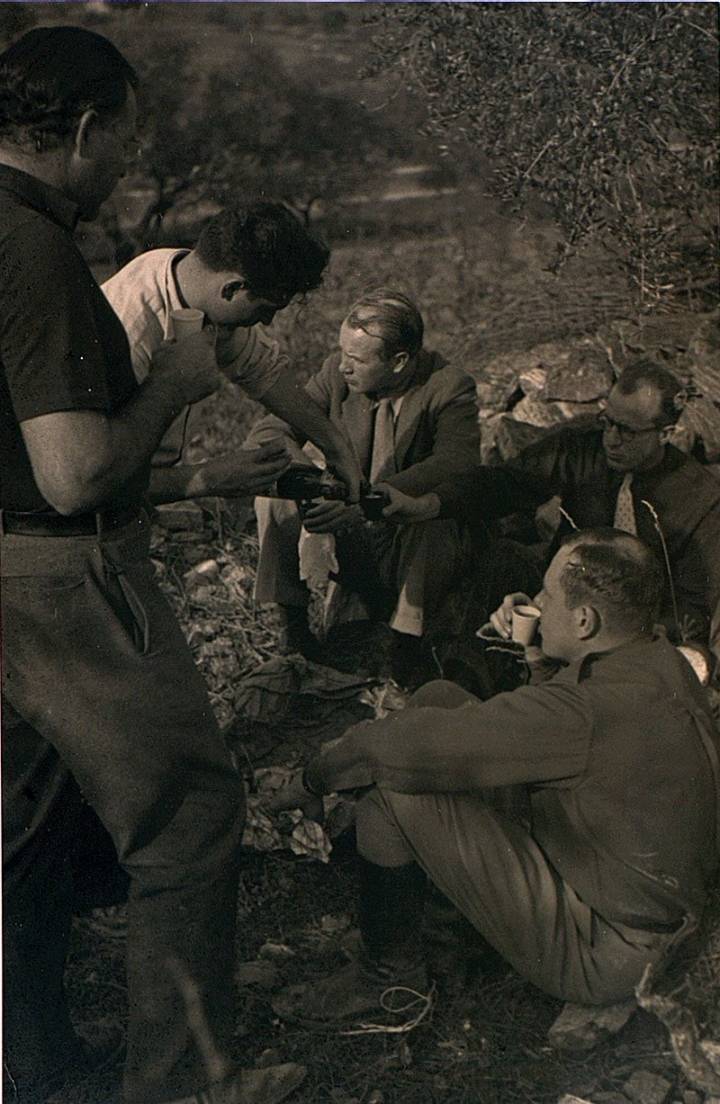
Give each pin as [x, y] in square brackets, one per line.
[442, 694]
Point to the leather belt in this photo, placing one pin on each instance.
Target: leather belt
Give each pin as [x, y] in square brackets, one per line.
[55, 525]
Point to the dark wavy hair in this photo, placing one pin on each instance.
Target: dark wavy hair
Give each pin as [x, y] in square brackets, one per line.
[268, 244]
[51, 76]
[616, 572]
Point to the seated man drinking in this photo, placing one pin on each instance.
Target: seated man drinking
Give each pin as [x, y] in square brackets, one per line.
[412, 419]
[581, 895]
[624, 473]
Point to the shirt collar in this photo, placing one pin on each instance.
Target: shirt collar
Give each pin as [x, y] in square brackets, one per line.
[43, 197]
[581, 668]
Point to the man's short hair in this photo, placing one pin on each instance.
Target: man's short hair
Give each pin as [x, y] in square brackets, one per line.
[51, 76]
[268, 244]
[615, 572]
[660, 379]
[390, 316]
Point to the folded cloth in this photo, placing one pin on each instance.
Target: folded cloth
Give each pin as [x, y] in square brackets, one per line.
[316, 552]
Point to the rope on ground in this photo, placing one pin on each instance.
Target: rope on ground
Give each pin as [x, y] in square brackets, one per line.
[423, 1000]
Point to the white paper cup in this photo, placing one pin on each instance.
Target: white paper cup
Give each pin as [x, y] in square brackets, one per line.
[524, 623]
[186, 321]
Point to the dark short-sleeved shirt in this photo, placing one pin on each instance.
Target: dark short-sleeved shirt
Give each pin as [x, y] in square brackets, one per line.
[62, 347]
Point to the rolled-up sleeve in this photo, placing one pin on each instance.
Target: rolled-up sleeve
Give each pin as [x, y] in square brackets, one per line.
[253, 360]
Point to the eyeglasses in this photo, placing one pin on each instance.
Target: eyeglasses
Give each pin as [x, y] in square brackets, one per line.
[625, 432]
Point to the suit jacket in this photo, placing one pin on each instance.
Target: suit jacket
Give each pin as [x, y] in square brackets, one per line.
[571, 463]
[436, 434]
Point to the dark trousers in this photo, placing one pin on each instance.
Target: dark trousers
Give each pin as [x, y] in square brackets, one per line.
[102, 699]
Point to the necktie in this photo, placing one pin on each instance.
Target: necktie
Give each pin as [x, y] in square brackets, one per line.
[383, 452]
[624, 508]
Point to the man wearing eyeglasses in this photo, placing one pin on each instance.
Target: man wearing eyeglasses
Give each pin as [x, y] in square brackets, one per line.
[249, 263]
[625, 474]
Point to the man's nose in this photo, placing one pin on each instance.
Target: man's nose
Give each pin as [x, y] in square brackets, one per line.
[612, 433]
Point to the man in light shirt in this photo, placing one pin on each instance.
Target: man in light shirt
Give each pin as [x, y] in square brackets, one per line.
[249, 263]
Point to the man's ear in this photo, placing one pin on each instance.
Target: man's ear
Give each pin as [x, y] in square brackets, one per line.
[587, 621]
[85, 131]
[400, 361]
[231, 288]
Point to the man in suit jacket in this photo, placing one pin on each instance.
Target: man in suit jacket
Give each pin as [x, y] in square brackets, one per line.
[624, 473]
[412, 420]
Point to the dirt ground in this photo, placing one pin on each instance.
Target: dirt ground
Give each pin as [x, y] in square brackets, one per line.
[485, 1040]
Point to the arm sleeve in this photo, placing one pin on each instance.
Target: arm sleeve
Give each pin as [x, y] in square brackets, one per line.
[50, 346]
[270, 426]
[696, 575]
[253, 360]
[524, 483]
[534, 734]
[456, 441]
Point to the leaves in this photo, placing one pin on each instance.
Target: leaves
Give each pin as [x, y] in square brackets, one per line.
[290, 829]
[608, 113]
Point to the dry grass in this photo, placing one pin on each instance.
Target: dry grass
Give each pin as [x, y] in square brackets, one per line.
[485, 1042]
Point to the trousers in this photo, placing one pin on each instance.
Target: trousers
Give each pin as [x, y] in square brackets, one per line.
[478, 849]
[415, 566]
[102, 701]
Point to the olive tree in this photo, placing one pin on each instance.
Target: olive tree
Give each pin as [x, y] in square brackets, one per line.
[607, 112]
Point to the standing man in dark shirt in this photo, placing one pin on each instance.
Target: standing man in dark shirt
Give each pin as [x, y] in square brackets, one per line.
[627, 475]
[100, 694]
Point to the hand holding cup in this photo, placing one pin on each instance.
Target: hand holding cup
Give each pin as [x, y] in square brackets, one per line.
[502, 619]
[524, 620]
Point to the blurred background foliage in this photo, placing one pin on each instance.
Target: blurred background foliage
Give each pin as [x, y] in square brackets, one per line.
[528, 170]
[608, 113]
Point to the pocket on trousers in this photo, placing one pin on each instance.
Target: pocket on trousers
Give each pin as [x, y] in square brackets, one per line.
[127, 606]
[140, 619]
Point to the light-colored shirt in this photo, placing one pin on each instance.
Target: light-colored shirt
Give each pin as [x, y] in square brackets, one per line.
[143, 294]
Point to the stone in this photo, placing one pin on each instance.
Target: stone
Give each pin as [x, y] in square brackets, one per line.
[580, 1027]
[180, 515]
[207, 571]
[645, 1087]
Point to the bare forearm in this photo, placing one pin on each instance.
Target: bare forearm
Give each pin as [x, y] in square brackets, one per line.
[81, 458]
[134, 434]
[303, 415]
[309, 421]
[178, 483]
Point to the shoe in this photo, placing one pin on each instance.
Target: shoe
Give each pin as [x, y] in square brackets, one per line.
[356, 990]
[294, 633]
[253, 1086]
